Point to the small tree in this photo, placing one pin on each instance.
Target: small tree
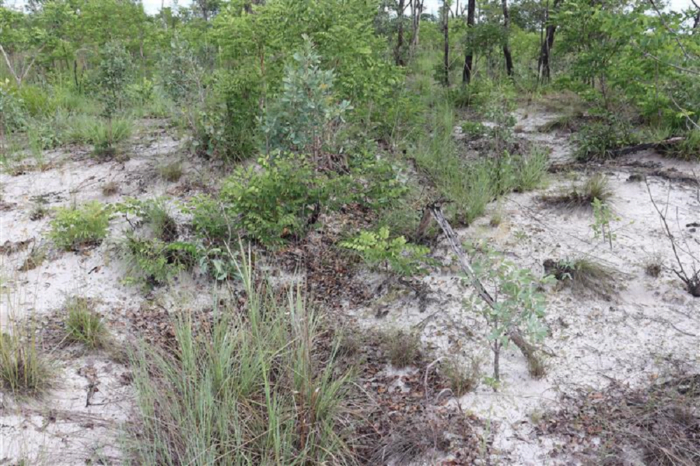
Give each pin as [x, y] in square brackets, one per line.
[306, 114]
[112, 77]
[518, 303]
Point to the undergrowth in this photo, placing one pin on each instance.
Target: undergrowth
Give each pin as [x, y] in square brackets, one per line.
[254, 388]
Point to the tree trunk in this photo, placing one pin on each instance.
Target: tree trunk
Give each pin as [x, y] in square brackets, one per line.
[399, 40]
[543, 62]
[416, 12]
[446, 31]
[469, 56]
[506, 30]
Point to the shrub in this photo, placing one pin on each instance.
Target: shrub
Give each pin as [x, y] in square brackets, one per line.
[599, 140]
[394, 254]
[518, 303]
[155, 213]
[12, 114]
[83, 325]
[75, 227]
[305, 116]
[257, 387]
[583, 274]
[280, 201]
[155, 262]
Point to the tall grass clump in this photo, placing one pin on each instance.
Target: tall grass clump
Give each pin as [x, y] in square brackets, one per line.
[254, 388]
[23, 371]
[83, 325]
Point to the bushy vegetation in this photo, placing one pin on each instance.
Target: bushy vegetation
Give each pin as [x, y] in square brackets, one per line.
[80, 226]
[83, 324]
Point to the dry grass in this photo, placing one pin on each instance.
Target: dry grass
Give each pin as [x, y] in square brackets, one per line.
[463, 379]
[171, 172]
[583, 274]
[582, 196]
[23, 370]
[402, 348]
[37, 255]
[110, 188]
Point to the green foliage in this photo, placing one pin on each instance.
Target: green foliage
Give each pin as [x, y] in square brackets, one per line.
[519, 303]
[395, 255]
[154, 262]
[155, 213]
[603, 215]
[277, 202]
[113, 75]
[12, 114]
[75, 227]
[598, 140]
[83, 325]
[258, 382]
[305, 115]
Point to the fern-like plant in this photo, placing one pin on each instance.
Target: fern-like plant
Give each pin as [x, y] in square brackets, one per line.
[397, 255]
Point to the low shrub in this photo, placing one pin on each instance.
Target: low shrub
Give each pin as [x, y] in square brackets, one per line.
[75, 227]
[395, 255]
[154, 262]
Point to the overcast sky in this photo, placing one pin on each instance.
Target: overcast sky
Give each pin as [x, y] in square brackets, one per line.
[152, 6]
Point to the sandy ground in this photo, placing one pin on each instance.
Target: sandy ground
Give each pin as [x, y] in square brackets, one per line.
[631, 336]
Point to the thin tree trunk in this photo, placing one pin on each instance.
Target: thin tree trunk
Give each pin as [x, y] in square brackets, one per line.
[469, 56]
[399, 40]
[547, 44]
[417, 11]
[506, 28]
[446, 31]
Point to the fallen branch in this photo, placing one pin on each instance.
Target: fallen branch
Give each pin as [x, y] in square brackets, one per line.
[647, 145]
[529, 350]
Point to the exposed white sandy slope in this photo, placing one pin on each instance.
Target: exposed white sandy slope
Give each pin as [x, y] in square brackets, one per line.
[60, 428]
[647, 325]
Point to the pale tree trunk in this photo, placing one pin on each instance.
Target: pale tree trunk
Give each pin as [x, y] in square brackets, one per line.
[19, 74]
[416, 12]
[469, 56]
[506, 28]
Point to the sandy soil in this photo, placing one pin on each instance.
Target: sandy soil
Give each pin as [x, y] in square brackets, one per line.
[631, 336]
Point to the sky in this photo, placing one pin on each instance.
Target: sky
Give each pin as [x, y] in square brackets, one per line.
[431, 6]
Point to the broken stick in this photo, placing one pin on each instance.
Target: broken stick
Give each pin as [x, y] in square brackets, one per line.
[529, 350]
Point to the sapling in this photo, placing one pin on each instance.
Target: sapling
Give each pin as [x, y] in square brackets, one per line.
[603, 215]
[518, 302]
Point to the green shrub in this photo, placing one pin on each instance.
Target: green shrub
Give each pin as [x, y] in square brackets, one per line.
[12, 114]
[155, 213]
[277, 202]
[212, 219]
[155, 262]
[83, 325]
[37, 102]
[394, 254]
[305, 116]
[599, 140]
[75, 227]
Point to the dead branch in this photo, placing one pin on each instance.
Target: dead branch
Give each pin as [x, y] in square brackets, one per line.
[647, 145]
[692, 282]
[528, 350]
